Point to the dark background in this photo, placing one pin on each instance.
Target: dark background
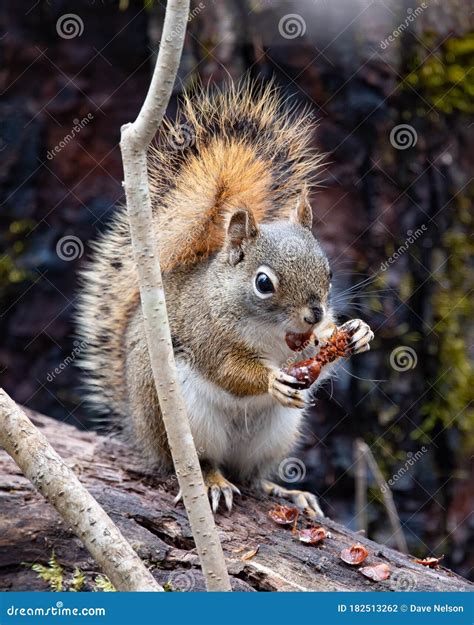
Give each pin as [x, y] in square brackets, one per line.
[360, 86]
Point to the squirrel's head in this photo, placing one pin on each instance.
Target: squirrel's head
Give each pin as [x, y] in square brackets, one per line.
[276, 274]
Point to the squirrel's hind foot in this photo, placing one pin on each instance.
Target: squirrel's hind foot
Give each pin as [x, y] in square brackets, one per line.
[216, 486]
[301, 498]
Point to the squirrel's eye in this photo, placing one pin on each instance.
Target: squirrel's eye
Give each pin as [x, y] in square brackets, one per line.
[264, 285]
[265, 282]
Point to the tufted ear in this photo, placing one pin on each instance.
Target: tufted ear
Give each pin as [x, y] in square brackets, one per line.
[241, 228]
[302, 213]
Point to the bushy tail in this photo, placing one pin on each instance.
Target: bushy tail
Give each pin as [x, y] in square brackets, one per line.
[242, 147]
[109, 295]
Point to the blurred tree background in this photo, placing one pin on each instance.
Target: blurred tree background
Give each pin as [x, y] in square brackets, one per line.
[391, 86]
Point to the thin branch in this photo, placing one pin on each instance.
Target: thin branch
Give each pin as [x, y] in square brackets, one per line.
[135, 140]
[360, 487]
[387, 498]
[58, 484]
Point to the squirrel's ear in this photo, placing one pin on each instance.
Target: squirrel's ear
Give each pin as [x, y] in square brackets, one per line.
[302, 213]
[241, 227]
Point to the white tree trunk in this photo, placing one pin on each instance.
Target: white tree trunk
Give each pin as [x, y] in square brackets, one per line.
[58, 484]
[135, 140]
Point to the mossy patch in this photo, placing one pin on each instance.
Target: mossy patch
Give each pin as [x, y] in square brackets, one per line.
[59, 580]
[445, 76]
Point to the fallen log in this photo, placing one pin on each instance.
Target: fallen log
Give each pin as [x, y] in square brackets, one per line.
[141, 504]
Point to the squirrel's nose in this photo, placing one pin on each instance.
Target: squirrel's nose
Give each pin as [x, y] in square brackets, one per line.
[315, 315]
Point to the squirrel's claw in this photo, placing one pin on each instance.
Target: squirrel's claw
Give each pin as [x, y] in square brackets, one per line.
[302, 499]
[287, 395]
[361, 336]
[309, 503]
[287, 379]
[178, 497]
[217, 485]
[284, 388]
[215, 497]
[228, 492]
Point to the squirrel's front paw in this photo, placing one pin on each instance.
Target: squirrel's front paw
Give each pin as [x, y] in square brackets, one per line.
[286, 389]
[360, 334]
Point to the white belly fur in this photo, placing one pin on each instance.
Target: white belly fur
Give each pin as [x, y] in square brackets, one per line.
[247, 435]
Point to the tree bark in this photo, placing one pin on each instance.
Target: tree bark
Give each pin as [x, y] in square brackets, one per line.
[135, 140]
[140, 503]
[47, 471]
